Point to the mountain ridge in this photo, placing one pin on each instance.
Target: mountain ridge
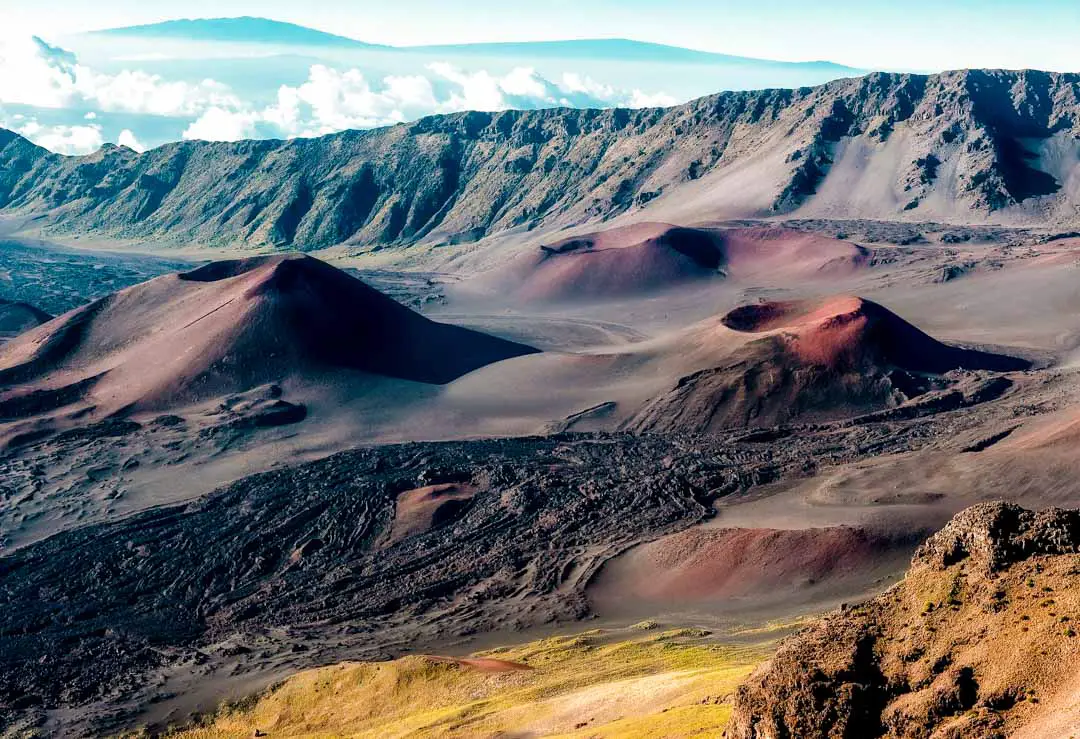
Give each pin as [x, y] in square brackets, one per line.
[962, 146]
[618, 48]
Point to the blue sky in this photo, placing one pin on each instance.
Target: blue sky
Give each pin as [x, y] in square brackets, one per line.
[895, 34]
[72, 93]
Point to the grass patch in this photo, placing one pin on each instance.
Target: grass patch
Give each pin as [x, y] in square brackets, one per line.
[661, 685]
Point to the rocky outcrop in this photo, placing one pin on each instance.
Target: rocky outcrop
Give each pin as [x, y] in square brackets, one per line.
[992, 537]
[977, 640]
[968, 144]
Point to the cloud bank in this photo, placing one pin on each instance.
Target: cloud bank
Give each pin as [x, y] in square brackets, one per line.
[64, 139]
[35, 74]
[332, 100]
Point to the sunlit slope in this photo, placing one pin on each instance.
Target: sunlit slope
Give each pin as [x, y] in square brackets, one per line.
[672, 684]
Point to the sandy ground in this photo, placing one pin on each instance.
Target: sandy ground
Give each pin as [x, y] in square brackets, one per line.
[855, 511]
[621, 350]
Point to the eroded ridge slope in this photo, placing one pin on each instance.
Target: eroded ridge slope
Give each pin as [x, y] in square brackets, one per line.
[979, 639]
[957, 145]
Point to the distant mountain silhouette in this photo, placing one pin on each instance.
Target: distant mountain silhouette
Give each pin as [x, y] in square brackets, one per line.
[621, 50]
[266, 31]
[236, 30]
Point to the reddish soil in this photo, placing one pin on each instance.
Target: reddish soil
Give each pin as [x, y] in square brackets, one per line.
[648, 257]
[821, 360]
[848, 330]
[422, 509]
[228, 327]
[702, 564]
[786, 254]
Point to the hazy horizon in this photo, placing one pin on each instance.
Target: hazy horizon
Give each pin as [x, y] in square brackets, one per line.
[919, 33]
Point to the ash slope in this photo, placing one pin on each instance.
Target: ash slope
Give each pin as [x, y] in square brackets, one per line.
[645, 258]
[978, 640]
[960, 146]
[225, 328]
[388, 549]
[17, 318]
[382, 551]
[312, 553]
[819, 360]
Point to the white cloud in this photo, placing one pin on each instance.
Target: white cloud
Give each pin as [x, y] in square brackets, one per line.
[133, 91]
[332, 100]
[476, 90]
[34, 73]
[219, 124]
[576, 83]
[128, 139]
[524, 89]
[82, 138]
[414, 93]
[639, 99]
[524, 82]
[64, 139]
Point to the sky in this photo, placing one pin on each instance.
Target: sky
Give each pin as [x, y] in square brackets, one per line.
[885, 34]
[72, 93]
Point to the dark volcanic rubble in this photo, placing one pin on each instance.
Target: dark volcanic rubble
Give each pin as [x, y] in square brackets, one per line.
[95, 610]
[301, 566]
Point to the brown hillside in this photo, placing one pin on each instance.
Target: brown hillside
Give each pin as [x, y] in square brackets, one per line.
[818, 359]
[979, 640]
[647, 257]
[228, 327]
